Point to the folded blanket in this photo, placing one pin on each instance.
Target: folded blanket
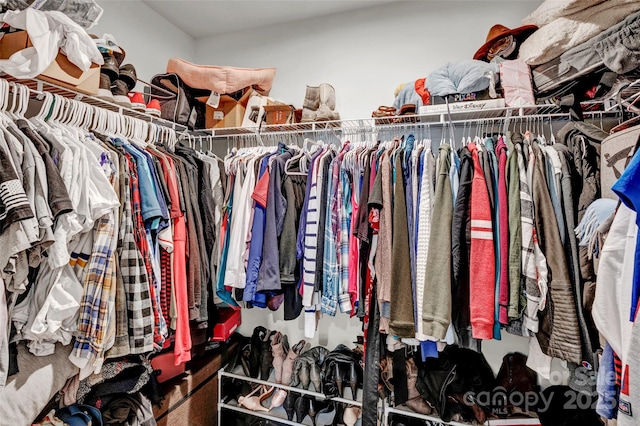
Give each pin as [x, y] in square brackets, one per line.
[553, 9]
[565, 32]
[462, 77]
[222, 79]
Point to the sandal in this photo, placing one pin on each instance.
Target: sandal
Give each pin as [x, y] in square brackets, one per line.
[254, 402]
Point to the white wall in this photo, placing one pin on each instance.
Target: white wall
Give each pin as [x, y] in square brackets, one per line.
[367, 53]
[148, 38]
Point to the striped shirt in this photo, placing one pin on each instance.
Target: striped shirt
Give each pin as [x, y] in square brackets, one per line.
[534, 267]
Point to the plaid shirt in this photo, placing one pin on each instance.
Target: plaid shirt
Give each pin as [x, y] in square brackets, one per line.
[534, 269]
[134, 274]
[143, 245]
[331, 277]
[344, 197]
[99, 292]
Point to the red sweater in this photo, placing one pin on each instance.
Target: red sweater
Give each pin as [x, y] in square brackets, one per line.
[501, 151]
[482, 263]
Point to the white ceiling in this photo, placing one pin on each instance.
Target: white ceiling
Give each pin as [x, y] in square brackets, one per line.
[213, 17]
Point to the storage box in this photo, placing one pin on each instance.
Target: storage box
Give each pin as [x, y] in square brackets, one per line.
[163, 363]
[461, 97]
[228, 113]
[256, 111]
[462, 106]
[61, 71]
[229, 320]
[279, 114]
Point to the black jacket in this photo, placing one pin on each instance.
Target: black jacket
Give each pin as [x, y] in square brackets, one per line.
[460, 245]
[446, 382]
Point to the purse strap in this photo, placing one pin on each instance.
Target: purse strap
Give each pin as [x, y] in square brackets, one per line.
[167, 93]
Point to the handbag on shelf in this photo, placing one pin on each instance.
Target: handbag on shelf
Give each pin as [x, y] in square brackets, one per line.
[183, 107]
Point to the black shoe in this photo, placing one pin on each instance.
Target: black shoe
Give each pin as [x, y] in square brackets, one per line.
[353, 380]
[290, 404]
[338, 374]
[233, 388]
[302, 408]
[255, 359]
[110, 67]
[267, 356]
[319, 406]
[128, 75]
[121, 93]
[337, 420]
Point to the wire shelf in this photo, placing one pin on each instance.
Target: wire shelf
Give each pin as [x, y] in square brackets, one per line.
[592, 109]
[39, 87]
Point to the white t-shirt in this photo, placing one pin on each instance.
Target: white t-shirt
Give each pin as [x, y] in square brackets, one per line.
[612, 302]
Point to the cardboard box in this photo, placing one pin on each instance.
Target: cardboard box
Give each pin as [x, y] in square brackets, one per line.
[61, 71]
[228, 113]
[279, 114]
[256, 111]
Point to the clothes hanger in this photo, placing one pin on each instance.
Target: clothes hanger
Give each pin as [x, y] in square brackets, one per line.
[12, 101]
[151, 133]
[88, 118]
[298, 157]
[4, 90]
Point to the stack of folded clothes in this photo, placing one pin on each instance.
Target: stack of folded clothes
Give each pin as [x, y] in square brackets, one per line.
[582, 45]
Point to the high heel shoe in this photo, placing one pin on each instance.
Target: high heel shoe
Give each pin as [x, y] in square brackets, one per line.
[279, 349]
[317, 407]
[338, 418]
[254, 402]
[338, 378]
[266, 361]
[289, 404]
[301, 408]
[314, 376]
[303, 374]
[255, 356]
[287, 365]
[353, 380]
[278, 399]
[351, 415]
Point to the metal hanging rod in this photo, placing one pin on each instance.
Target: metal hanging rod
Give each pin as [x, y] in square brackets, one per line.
[543, 111]
[373, 125]
[436, 119]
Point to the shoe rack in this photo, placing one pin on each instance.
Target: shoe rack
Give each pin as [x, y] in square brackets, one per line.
[278, 414]
[404, 412]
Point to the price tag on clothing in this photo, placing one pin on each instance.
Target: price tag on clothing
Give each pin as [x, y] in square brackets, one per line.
[214, 100]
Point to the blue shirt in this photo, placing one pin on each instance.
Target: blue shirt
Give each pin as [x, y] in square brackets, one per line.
[628, 189]
[149, 204]
[255, 249]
